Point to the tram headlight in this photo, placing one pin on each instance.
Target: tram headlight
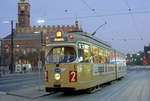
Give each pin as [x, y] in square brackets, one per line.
[57, 76]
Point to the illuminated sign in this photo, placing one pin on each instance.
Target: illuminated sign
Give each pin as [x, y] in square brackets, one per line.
[58, 34]
[117, 59]
[59, 39]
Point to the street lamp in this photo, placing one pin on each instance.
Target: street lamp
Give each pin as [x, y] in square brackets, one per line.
[40, 65]
[40, 21]
[11, 66]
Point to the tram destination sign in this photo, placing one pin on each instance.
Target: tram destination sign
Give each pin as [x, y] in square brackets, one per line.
[59, 39]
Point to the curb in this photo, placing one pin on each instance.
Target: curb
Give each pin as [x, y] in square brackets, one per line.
[34, 97]
[30, 93]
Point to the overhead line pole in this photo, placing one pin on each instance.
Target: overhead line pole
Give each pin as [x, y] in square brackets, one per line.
[12, 50]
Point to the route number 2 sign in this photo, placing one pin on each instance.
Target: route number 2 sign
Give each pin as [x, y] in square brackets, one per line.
[72, 76]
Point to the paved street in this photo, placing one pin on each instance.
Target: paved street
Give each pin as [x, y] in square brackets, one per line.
[134, 87]
[14, 82]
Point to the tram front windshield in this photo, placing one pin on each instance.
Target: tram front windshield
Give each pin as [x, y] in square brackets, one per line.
[61, 55]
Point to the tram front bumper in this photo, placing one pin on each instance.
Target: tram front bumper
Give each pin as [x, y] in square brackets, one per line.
[59, 89]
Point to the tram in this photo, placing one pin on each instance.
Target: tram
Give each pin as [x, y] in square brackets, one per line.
[79, 61]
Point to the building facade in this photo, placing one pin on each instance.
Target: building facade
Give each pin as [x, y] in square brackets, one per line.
[26, 42]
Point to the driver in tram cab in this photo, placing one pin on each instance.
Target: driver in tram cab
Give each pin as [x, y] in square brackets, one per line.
[69, 56]
[72, 56]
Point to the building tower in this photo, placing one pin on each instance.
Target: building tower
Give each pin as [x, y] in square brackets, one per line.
[76, 24]
[23, 14]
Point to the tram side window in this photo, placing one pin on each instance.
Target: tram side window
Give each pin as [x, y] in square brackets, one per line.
[112, 57]
[104, 57]
[84, 53]
[108, 56]
[95, 55]
[101, 55]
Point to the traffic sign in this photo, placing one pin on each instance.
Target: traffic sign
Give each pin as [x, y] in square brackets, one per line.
[39, 64]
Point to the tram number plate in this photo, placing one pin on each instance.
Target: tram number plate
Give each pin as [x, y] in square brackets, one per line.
[72, 76]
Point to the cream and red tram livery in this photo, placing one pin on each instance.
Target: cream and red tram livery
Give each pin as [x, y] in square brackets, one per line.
[79, 61]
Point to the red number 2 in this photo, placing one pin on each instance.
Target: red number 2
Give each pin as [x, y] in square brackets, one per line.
[73, 76]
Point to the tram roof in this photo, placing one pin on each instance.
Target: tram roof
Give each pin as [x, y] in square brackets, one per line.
[84, 36]
[80, 36]
[87, 37]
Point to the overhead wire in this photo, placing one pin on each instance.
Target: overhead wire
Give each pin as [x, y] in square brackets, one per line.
[104, 15]
[108, 22]
[134, 22]
[130, 13]
[84, 2]
[133, 19]
[90, 8]
[95, 12]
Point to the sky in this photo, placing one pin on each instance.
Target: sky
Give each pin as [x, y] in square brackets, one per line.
[128, 21]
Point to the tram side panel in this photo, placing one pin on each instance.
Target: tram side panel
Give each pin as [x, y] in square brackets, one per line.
[85, 78]
[79, 76]
[91, 75]
[121, 71]
[110, 73]
[106, 73]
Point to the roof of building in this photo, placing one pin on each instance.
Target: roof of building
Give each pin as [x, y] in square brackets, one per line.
[24, 36]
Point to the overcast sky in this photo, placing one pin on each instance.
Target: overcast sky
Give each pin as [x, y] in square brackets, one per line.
[128, 21]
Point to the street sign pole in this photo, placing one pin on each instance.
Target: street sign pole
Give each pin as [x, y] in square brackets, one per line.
[39, 67]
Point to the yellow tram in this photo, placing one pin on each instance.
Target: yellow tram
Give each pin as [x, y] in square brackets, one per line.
[79, 61]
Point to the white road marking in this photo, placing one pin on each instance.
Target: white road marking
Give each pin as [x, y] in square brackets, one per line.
[3, 93]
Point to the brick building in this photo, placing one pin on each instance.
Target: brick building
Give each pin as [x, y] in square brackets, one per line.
[26, 41]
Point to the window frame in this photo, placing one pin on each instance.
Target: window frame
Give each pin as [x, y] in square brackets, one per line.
[89, 55]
